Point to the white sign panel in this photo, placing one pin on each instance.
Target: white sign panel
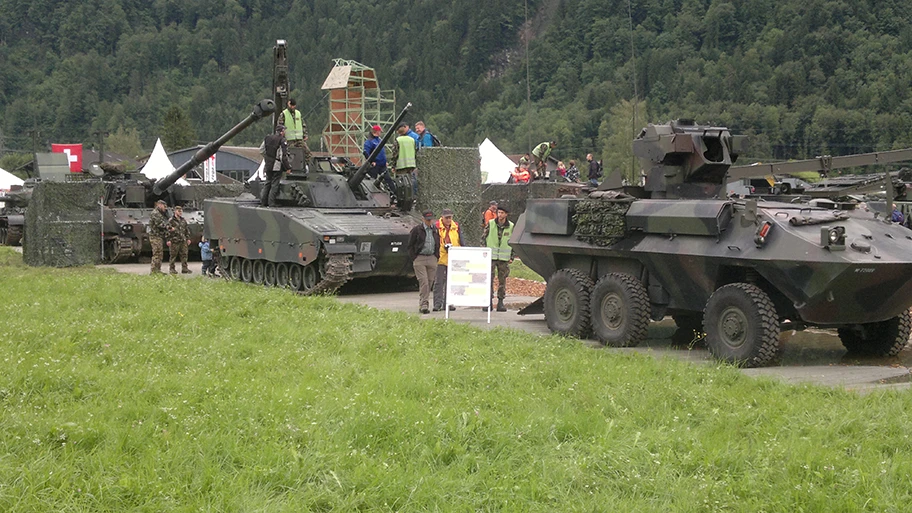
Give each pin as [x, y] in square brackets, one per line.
[469, 278]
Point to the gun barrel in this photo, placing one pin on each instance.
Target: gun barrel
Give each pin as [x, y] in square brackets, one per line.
[356, 179]
[260, 110]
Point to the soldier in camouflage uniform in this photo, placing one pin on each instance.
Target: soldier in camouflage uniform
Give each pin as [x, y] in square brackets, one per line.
[158, 230]
[179, 240]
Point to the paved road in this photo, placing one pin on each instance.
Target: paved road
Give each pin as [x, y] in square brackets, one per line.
[812, 356]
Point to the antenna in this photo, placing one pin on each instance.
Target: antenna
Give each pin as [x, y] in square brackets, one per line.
[636, 100]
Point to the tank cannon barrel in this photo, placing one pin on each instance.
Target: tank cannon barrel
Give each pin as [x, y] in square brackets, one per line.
[260, 110]
[356, 179]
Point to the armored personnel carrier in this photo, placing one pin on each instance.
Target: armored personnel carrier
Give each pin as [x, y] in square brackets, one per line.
[332, 225]
[130, 197]
[742, 271]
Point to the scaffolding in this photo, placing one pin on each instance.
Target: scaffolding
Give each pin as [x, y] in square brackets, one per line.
[356, 103]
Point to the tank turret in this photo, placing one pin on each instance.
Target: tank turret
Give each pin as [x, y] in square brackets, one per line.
[684, 160]
[260, 110]
[334, 182]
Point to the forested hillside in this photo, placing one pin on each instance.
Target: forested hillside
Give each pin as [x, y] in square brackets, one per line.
[804, 77]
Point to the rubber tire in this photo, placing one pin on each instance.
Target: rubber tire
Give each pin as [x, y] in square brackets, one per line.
[296, 277]
[619, 309]
[282, 275]
[886, 338]
[259, 272]
[269, 278]
[746, 308]
[246, 270]
[690, 331]
[310, 277]
[785, 188]
[234, 268]
[567, 303]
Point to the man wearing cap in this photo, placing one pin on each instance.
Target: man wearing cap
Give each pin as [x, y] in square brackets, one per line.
[158, 230]
[424, 249]
[297, 128]
[450, 235]
[402, 155]
[489, 214]
[378, 165]
[497, 237]
[273, 144]
[179, 240]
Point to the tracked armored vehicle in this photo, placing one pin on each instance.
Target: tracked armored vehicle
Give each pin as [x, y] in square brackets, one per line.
[333, 225]
[741, 271]
[12, 214]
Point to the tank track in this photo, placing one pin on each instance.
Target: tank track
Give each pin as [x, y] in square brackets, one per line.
[336, 272]
[13, 236]
[124, 250]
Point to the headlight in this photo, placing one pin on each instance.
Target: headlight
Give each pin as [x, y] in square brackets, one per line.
[832, 237]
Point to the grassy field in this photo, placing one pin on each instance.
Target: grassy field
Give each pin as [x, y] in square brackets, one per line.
[519, 270]
[138, 393]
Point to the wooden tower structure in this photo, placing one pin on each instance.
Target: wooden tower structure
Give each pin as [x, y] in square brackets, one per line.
[356, 103]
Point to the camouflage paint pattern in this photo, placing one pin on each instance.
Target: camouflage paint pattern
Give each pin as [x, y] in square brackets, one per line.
[683, 249]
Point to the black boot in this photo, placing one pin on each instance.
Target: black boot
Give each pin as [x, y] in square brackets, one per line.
[500, 306]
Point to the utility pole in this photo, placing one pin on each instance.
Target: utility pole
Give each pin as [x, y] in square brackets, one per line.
[34, 134]
[101, 134]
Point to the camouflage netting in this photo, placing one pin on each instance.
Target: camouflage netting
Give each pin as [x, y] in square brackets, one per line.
[451, 178]
[63, 224]
[599, 219]
[515, 195]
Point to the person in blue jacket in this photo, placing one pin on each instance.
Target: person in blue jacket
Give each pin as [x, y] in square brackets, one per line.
[378, 166]
[206, 257]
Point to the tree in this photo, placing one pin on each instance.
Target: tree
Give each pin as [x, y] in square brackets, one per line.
[176, 130]
[618, 129]
[124, 141]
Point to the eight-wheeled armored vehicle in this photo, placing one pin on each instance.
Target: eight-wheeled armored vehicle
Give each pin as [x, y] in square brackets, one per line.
[742, 271]
[333, 225]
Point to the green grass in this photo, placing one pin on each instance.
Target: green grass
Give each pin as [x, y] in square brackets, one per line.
[139, 393]
[519, 270]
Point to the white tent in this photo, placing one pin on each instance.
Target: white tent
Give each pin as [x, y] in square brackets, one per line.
[495, 166]
[260, 174]
[159, 165]
[8, 179]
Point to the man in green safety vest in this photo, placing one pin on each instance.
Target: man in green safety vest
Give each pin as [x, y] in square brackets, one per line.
[497, 237]
[295, 129]
[402, 156]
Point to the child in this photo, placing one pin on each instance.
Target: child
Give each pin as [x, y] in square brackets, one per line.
[206, 256]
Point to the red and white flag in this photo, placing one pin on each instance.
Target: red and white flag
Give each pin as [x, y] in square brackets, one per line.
[74, 155]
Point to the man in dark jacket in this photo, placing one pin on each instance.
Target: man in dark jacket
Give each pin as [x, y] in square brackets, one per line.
[595, 170]
[424, 249]
[273, 144]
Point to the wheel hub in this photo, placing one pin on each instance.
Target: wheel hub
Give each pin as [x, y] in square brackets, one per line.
[565, 302]
[612, 311]
[733, 326]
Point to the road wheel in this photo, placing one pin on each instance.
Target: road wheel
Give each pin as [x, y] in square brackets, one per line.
[270, 274]
[886, 338]
[310, 276]
[282, 275]
[741, 325]
[690, 331]
[259, 272]
[246, 270]
[4, 233]
[785, 188]
[620, 310]
[567, 303]
[296, 277]
[234, 268]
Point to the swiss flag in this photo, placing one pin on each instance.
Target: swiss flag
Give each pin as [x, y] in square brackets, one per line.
[74, 154]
